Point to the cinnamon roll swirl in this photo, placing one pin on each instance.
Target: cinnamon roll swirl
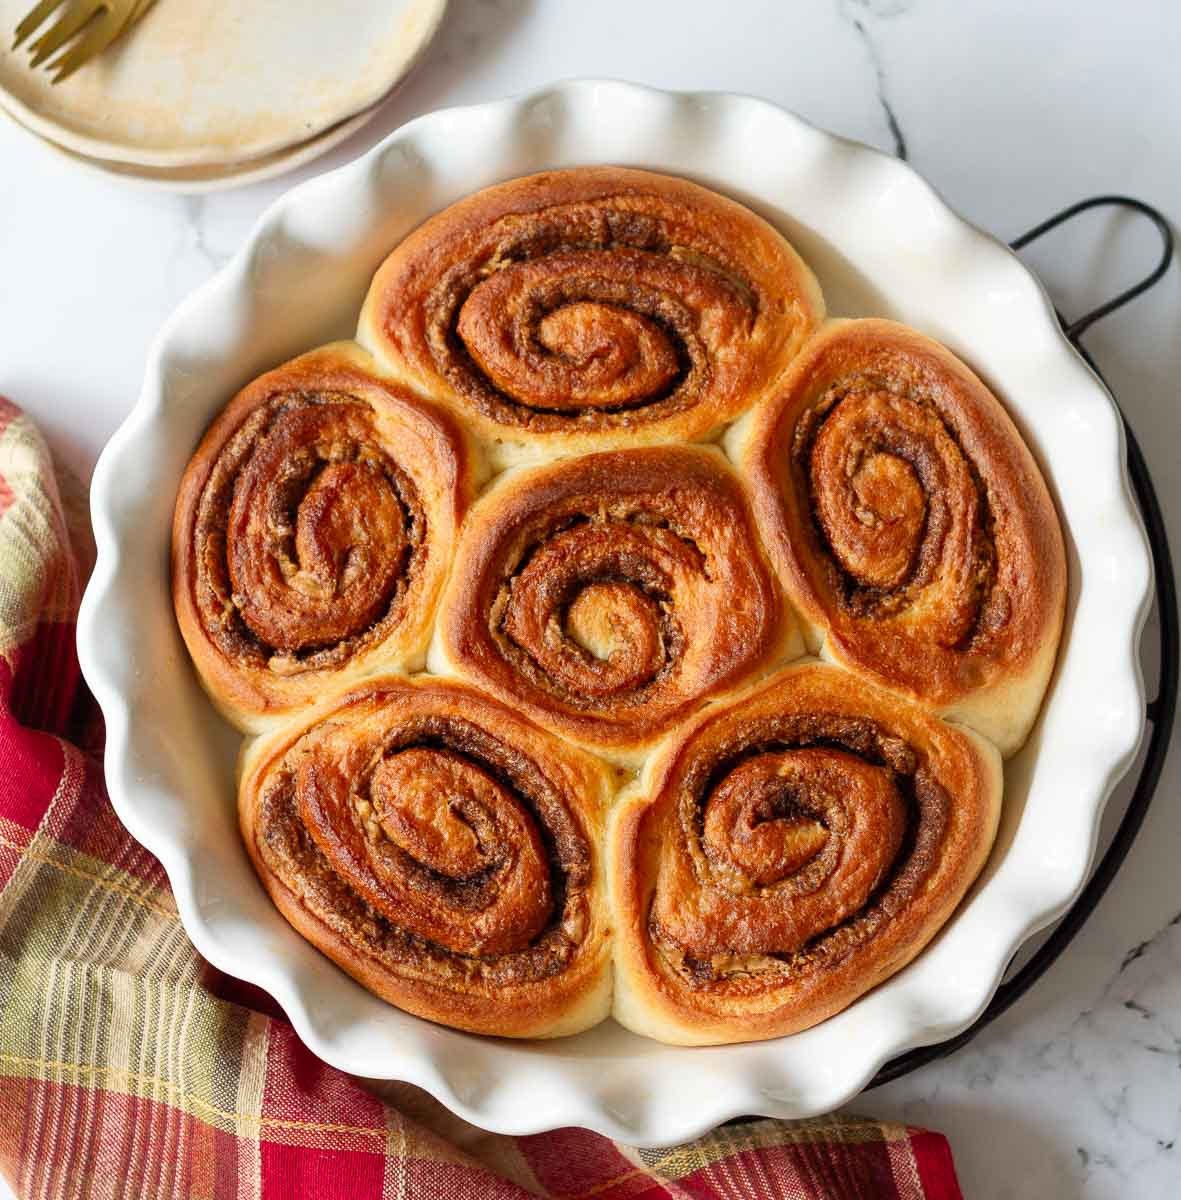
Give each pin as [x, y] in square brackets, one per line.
[441, 850]
[313, 531]
[607, 596]
[591, 308]
[910, 525]
[788, 850]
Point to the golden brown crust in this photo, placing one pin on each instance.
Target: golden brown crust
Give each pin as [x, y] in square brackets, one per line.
[443, 851]
[581, 309]
[313, 531]
[788, 850]
[609, 595]
[788, 846]
[909, 523]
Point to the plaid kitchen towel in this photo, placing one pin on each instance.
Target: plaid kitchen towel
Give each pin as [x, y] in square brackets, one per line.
[130, 1068]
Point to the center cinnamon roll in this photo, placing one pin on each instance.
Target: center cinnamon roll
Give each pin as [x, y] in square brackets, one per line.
[610, 595]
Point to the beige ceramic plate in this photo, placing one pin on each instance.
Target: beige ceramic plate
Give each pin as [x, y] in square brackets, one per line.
[199, 83]
[213, 177]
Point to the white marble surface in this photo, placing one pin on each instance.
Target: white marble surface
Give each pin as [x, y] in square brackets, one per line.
[1012, 110]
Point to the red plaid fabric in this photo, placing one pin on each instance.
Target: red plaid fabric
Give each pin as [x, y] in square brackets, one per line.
[130, 1068]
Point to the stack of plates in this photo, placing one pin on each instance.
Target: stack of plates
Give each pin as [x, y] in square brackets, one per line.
[201, 95]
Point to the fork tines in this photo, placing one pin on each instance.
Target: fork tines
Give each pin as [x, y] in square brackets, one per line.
[83, 30]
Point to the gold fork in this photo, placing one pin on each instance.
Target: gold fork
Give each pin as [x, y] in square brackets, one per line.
[91, 25]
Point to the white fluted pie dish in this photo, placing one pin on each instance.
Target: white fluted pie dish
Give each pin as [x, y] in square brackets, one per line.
[882, 244]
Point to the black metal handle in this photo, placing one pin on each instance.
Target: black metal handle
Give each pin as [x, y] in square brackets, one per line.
[1074, 329]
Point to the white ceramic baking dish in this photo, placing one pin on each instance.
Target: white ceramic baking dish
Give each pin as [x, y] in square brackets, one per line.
[883, 243]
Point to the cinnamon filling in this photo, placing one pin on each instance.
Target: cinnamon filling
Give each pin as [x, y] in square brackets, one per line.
[434, 847]
[898, 511]
[587, 316]
[308, 536]
[806, 835]
[588, 614]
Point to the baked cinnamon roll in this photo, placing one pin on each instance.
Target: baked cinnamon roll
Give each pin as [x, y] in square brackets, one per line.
[443, 851]
[608, 596]
[797, 832]
[910, 524]
[313, 532]
[788, 850]
[591, 308]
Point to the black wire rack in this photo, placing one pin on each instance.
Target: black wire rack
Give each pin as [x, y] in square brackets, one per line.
[1160, 711]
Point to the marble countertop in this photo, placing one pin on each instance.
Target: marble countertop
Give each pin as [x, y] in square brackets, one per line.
[1011, 110]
